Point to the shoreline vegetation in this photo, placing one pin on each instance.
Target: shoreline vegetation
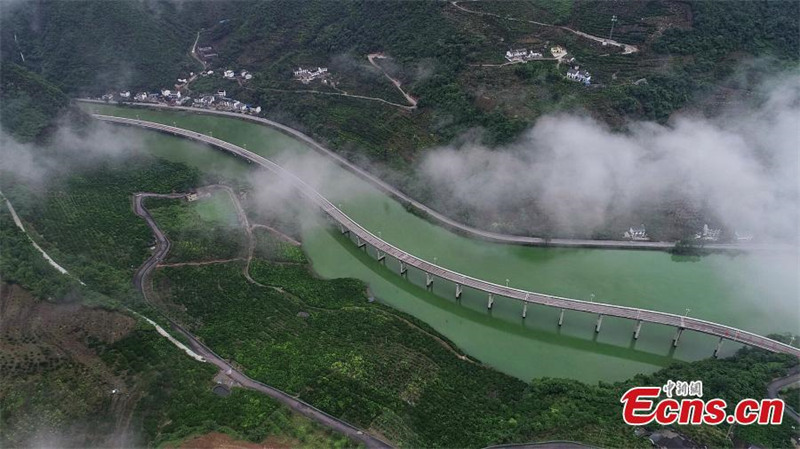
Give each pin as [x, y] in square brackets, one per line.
[336, 354]
[427, 213]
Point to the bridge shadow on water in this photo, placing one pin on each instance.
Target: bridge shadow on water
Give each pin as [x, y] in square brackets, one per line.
[513, 327]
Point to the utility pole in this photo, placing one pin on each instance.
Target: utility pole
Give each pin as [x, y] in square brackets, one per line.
[613, 21]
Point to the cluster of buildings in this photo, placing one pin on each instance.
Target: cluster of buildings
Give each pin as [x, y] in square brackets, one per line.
[636, 233]
[305, 76]
[559, 53]
[522, 55]
[711, 235]
[219, 101]
[576, 74]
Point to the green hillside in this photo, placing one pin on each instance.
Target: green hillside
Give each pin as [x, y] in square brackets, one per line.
[28, 103]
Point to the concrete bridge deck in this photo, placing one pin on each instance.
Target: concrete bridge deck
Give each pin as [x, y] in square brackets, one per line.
[364, 237]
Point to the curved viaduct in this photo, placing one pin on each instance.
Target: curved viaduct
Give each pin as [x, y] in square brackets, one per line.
[441, 218]
[363, 238]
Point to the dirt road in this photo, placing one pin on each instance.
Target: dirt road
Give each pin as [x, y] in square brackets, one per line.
[372, 57]
[626, 48]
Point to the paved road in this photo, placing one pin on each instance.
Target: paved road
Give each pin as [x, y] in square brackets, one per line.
[364, 237]
[141, 282]
[778, 384]
[447, 221]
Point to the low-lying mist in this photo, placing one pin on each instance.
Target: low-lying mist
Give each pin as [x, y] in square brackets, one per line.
[72, 146]
[740, 170]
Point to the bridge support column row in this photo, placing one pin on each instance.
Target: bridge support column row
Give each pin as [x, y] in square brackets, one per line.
[491, 301]
[637, 329]
[561, 318]
[677, 337]
[381, 256]
[344, 230]
[524, 310]
[458, 291]
[599, 322]
[403, 269]
[428, 280]
[719, 346]
[360, 243]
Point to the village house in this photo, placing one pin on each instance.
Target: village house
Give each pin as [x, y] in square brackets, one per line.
[709, 234]
[206, 100]
[141, 96]
[306, 75]
[558, 51]
[229, 74]
[576, 74]
[222, 93]
[125, 94]
[522, 55]
[636, 233]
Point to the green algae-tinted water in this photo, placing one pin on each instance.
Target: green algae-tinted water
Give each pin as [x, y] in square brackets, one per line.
[757, 292]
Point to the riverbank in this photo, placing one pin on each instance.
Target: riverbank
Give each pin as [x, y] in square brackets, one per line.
[723, 288]
[429, 213]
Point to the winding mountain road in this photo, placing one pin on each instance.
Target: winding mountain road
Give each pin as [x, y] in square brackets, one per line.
[372, 57]
[142, 282]
[779, 384]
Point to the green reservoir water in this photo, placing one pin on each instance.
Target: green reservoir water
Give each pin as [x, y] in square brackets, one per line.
[756, 292]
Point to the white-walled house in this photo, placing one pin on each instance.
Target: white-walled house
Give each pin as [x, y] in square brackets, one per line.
[636, 233]
[576, 74]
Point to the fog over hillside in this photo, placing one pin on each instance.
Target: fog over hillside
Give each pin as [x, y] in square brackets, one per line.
[742, 166]
[70, 148]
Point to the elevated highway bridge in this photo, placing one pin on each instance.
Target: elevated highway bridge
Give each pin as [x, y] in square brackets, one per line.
[432, 271]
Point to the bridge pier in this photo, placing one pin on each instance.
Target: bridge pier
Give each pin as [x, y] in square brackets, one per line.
[491, 301]
[403, 269]
[524, 309]
[561, 318]
[360, 243]
[458, 291]
[428, 280]
[599, 322]
[637, 330]
[719, 346]
[677, 337]
[381, 256]
[344, 230]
